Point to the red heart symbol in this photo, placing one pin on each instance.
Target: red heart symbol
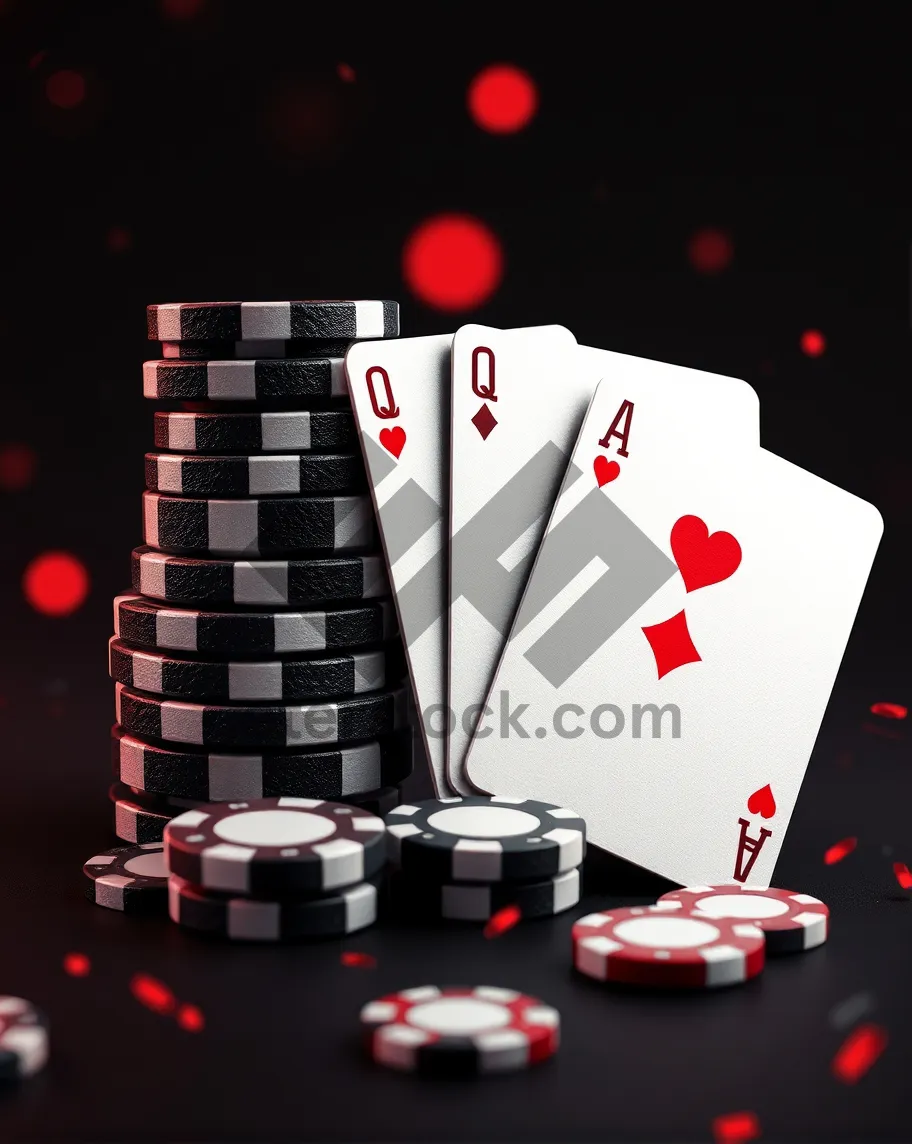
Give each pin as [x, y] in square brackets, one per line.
[393, 440]
[605, 470]
[701, 558]
[762, 802]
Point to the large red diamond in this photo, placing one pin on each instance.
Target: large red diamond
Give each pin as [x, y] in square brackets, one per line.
[671, 644]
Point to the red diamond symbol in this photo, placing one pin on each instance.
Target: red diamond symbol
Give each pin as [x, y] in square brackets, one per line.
[484, 421]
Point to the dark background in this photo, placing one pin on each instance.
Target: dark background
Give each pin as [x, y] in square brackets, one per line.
[218, 153]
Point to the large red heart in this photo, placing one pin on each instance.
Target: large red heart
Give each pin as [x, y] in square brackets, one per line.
[701, 558]
[605, 470]
[393, 440]
[762, 802]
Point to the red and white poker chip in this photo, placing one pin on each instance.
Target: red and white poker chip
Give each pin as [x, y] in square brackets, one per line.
[791, 922]
[667, 946]
[459, 1030]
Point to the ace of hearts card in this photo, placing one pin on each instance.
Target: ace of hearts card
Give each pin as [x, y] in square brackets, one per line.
[676, 643]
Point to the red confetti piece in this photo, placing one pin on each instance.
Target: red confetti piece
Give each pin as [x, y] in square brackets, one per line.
[77, 965]
[813, 343]
[889, 710]
[346, 73]
[735, 1126]
[358, 960]
[839, 851]
[56, 583]
[858, 1052]
[502, 921]
[37, 58]
[65, 89]
[502, 99]
[190, 1017]
[903, 875]
[452, 262]
[710, 251]
[152, 993]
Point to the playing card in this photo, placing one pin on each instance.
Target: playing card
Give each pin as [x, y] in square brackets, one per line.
[518, 400]
[400, 391]
[677, 642]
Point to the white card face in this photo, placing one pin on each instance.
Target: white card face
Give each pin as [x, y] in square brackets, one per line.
[683, 625]
[400, 391]
[519, 398]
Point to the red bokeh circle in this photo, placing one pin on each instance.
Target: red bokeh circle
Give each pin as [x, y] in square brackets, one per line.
[452, 262]
[710, 251]
[502, 99]
[65, 89]
[56, 583]
[18, 465]
[813, 343]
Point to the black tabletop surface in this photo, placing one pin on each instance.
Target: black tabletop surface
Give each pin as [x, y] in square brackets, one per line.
[279, 1056]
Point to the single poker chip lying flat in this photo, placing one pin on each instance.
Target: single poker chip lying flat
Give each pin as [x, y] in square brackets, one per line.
[265, 474]
[133, 879]
[471, 902]
[152, 625]
[485, 839]
[275, 846]
[195, 349]
[264, 526]
[459, 1031]
[301, 431]
[258, 321]
[258, 379]
[335, 772]
[258, 583]
[249, 725]
[791, 922]
[283, 919]
[310, 677]
[667, 946]
[24, 1038]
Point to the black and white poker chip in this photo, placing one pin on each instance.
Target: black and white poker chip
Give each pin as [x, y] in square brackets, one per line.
[271, 431]
[260, 527]
[336, 773]
[152, 625]
[138, 821]
[474, 902]
[316, 724]
[459, 1031]
[258, 379]
[275, 846]
[133, 879]
[282, 919]
[194, 349]
[263, 474]
[258, 321]
[281, 680]
[258, 583]
[24, 1039]
[485, 839]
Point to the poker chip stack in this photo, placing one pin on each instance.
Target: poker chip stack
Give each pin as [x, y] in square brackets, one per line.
[273, 869]
[259, 656]
[468, 859]
[699, 937]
